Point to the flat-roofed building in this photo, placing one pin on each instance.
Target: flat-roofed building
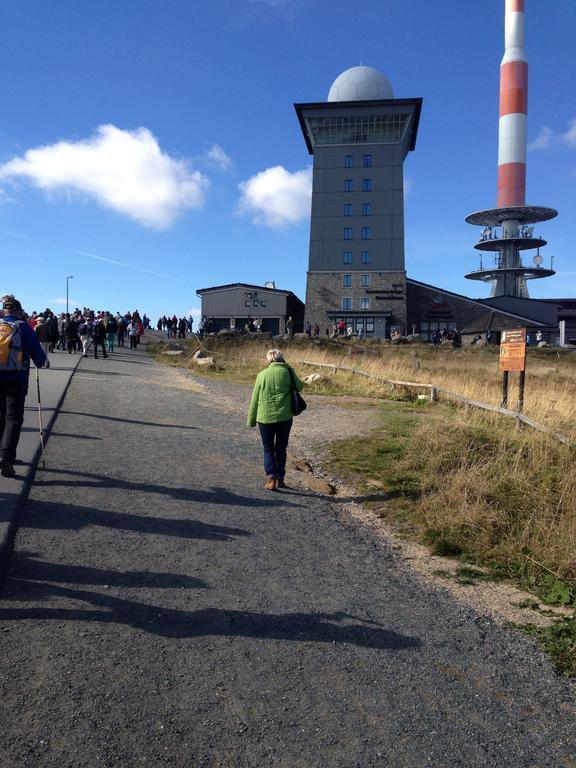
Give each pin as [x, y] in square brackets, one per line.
[231, 306]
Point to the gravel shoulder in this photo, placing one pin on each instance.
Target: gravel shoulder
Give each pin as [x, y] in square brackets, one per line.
[162, 608]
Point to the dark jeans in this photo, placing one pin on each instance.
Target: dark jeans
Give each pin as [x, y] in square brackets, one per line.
[12, 398]
[275, 441]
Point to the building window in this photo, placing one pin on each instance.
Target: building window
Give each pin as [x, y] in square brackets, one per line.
[347, 209]
[369, 325]
[347, 233]
[348, 185]
[367, 161]
[366, 233]
[366, 185]
[365, 281]
[347, 257]
[346, 281]
[365, 257]
[366, 209]
[347, 302]
[348, 161]
[364, 304]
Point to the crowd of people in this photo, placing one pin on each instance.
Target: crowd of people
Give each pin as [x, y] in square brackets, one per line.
[85, 330]
[175, 327]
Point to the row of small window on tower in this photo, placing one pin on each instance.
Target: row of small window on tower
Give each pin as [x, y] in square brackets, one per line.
[349, 185]
[365, 281]
[366, 209]
[347, 257]
[349, 161]
[363, 303]
[366, 233]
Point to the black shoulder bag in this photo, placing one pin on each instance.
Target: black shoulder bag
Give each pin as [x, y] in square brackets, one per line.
[297, 402]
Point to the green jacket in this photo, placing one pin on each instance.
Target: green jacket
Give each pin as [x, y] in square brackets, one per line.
[271, 395]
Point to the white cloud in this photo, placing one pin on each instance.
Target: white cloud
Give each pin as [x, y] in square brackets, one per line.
[277, 198]
[72, 303]
[195, 312]
[544, 139]
[120, 169]
[216, 156]
[547, 137]
[570, 136]
[408, 187]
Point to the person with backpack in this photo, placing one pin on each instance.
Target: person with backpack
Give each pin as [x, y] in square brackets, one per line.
[18, 344]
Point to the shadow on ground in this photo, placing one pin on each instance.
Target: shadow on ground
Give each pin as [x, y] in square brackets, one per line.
[33, 582]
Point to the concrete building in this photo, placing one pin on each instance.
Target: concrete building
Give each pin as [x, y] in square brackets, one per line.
[359, 139]
[230, 306]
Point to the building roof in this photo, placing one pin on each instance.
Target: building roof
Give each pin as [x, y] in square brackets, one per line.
[523, 319]
[249, 286]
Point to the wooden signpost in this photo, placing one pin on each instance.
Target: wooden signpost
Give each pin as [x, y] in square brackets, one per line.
[513, 358]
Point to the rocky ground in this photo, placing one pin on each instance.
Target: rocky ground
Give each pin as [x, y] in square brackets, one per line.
[162, 608]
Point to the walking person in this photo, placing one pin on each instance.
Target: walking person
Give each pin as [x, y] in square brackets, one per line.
[18, 344]
[111, 331]
[85, 333]
[133, 333]
[121, 322]
[42, 331]
[72, 338]
[270, 408]
[99, 338]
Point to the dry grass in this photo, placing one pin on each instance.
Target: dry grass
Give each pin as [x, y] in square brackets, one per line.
[550, 374]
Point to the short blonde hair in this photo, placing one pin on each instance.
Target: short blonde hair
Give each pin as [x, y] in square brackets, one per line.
[275, 356]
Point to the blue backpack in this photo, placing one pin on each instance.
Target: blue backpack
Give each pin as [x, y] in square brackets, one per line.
[11, 356]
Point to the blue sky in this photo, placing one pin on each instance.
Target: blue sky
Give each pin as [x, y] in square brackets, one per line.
[150, 147]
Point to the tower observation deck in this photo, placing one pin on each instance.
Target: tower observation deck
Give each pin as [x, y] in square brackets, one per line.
[507, 233]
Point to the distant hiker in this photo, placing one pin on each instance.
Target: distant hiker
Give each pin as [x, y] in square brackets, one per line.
[42, 331]
[111, 331]
[72, 338]
[270, 408]
[121, 323]
[308, 328]
[85, 333]
[289, 327]
[133, 333]
[18, 343]
[99, 338]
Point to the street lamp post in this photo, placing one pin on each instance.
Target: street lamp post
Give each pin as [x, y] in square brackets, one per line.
[69, 277]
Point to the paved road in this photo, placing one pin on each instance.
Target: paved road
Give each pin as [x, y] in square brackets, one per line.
[53, 384]
[163, 609]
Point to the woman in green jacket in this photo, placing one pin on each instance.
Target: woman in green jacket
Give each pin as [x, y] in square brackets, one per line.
[270, 409]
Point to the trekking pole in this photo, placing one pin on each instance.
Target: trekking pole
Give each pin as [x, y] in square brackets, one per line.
[40, 420]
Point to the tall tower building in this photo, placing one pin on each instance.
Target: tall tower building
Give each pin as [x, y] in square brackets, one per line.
[507, 230]
[359, 138]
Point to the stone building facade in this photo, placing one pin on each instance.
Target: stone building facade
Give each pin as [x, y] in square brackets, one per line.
[376, 300]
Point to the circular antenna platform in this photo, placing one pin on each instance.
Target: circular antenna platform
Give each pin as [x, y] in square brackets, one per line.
[524, 214]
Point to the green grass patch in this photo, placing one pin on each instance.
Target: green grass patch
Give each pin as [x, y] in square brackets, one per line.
[559, 641]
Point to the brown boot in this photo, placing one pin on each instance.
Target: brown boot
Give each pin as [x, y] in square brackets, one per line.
[272, 484]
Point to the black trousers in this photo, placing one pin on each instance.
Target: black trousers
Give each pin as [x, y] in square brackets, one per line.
[12, 399]
[100, 343]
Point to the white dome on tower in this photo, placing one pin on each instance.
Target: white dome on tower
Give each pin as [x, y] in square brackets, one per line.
[360, 84]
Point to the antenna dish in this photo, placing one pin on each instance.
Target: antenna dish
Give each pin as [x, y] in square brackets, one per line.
[538, 260]
[270, 284]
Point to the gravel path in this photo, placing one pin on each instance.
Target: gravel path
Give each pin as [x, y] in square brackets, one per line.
[163, 609]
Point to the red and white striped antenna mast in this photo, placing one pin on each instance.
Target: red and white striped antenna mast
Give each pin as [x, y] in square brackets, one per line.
[506, 228]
